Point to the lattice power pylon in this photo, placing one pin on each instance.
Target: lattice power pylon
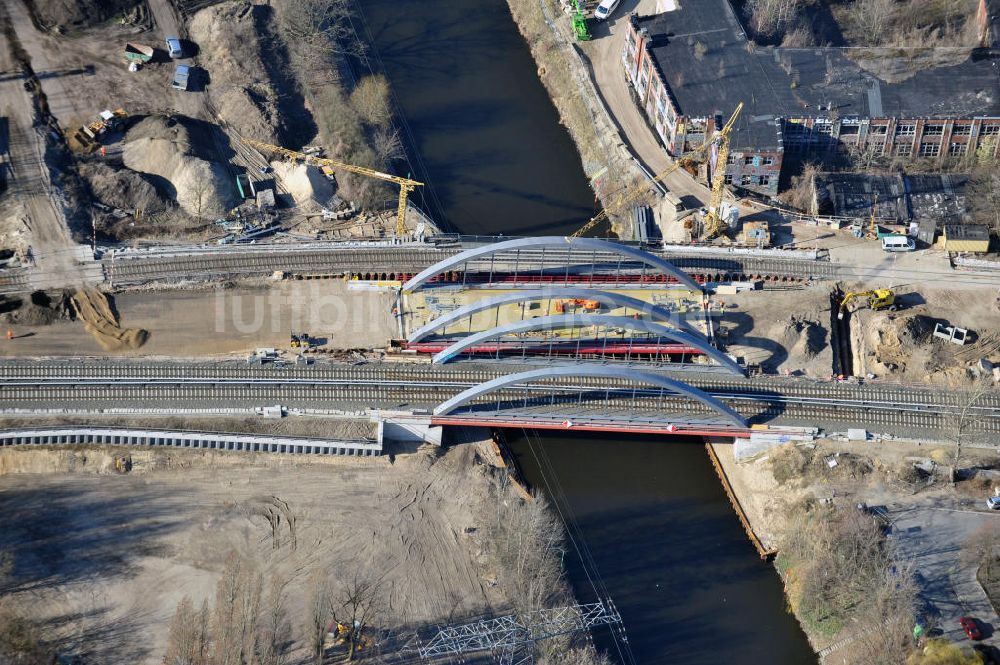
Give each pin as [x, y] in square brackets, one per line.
[510, 637]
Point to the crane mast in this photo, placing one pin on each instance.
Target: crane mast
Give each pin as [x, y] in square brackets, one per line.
[642, 189]
[714, 224]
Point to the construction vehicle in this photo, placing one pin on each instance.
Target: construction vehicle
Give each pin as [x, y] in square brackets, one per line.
[713, 223]
[406, 185]
[877, 299]
[300, 341]
[629, 196]
[580, 28]
[88, 135]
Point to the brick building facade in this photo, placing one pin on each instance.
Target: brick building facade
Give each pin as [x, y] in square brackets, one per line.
[797, 100]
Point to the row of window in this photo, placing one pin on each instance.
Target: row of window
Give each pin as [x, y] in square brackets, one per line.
[746, 180]
[751, 161]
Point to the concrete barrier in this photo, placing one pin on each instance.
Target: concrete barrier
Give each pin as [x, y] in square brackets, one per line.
[247, 443]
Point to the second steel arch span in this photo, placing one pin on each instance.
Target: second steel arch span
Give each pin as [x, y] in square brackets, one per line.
[590, 244]
[582, 320]
[599, 371]
[606, 297]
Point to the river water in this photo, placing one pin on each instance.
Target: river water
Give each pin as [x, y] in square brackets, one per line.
[482, 132]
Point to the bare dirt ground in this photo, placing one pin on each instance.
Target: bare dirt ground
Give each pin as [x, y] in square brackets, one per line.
[105, 558]
[782, 331]
[900, 344]
[220, 321]
[789, 332]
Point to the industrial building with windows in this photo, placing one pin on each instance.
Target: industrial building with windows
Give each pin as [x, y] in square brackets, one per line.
[690, 67]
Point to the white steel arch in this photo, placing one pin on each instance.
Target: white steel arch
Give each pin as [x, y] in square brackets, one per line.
[591, 371]
[560, 321]
[590, 244]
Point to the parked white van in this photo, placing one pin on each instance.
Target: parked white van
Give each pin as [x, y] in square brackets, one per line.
[604, 9]
[898, 244]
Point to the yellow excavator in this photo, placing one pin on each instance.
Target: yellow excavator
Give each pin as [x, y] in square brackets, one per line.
[713, 221]
[405, 184]
[877, 299]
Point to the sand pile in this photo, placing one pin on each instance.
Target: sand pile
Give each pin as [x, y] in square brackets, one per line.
[805, 338]
[164, 147]
[304, 183]
[231, 48]
[99, 319]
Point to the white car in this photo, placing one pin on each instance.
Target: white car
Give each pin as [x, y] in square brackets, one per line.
[174, 49]
[993, 503]
[603, 11]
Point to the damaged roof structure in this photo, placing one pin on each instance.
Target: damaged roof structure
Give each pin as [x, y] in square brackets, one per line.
[692, 66]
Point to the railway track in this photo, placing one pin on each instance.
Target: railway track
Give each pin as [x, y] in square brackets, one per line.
[106, 386]
[125, 268]
[14, 281]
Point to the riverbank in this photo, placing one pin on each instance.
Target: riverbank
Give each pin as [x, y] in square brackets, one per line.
[605, 158]
[804, 500]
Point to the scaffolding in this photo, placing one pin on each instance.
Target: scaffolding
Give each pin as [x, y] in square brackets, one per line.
[511, 637]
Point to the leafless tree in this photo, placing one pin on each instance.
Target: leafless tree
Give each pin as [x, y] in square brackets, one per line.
[318, 29]
[984, 197]
[801, 194]
[387, 144]
[846, 576]
[237, 612]
[371, 98]
[200, 191]
[188, 637]
[771, 17]
[966, 417]
[319, 615]
[872, 18]
[526, 540]
[358, 602]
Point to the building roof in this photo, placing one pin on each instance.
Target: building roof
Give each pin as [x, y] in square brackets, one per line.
[776, 82]
[977, 232]
[901, 197]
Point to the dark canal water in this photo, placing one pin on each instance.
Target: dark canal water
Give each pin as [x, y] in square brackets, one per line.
[664, 539]
[488, 139]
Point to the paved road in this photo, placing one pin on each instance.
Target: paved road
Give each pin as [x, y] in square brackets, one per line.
[605, 53]
[931, 536]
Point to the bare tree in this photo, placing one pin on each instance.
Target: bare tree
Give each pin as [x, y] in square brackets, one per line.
[371, 98]
[200, 191]
[387, 144]
[872, 18]
[357, 603]
[237, 612]
[966, 417]
[319, 615]
[188, 638]
[984, 197]
[318, 29]
[771, 17]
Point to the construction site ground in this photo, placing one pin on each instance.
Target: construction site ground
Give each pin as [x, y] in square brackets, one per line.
[423, 306]
[103, 558]
[222, 321]
[789, 331]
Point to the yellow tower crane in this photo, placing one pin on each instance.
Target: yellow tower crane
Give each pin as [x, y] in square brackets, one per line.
[642, 188]
[714, 224]
[405, 184]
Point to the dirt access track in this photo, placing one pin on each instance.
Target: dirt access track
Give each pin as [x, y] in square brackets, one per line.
[104, 558]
